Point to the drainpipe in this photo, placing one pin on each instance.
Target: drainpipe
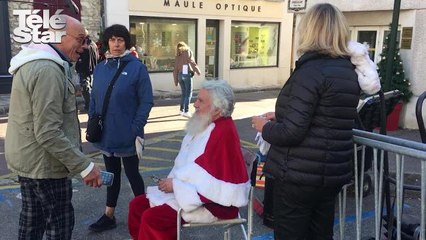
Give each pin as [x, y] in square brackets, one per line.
[392, 44]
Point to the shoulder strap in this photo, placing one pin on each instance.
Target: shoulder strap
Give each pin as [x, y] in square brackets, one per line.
[111, 84]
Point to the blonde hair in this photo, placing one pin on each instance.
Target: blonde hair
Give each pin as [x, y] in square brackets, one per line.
[181, 47]
[323, 29]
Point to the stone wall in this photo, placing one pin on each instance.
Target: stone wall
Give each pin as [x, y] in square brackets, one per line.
[13, 23]
[90, 17]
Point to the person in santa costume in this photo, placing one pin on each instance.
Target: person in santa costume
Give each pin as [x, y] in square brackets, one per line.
[209, 180]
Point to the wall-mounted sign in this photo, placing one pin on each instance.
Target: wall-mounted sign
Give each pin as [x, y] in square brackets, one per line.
[407, 36]
[296, 5]
[215, 8]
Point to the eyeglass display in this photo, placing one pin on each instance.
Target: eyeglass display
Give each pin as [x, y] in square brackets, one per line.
[155, 40]
[254, 44]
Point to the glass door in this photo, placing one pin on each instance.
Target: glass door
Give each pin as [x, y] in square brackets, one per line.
[374, 37]
[369, 38]
[212, 47]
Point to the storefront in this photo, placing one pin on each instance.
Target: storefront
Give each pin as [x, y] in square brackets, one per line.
[246, 42]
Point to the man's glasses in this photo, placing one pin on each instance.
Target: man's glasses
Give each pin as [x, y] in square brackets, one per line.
[81, 40]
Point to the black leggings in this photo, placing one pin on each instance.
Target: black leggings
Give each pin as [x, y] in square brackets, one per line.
[131, 168]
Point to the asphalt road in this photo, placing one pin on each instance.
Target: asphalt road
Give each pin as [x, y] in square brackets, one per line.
[164, 133]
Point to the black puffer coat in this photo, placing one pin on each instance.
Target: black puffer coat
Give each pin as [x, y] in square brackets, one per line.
[311, 139]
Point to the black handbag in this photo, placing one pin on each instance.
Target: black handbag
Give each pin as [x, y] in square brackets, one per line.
[95, 122]
[94, 128]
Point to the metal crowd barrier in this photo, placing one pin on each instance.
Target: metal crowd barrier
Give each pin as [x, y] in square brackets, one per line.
[384, 144]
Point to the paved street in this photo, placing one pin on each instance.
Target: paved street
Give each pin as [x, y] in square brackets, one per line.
[164, 134]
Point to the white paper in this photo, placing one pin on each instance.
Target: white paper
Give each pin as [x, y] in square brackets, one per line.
[185, 69]
[262, 144]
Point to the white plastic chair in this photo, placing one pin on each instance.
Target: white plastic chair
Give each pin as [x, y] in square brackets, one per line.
[249, 158]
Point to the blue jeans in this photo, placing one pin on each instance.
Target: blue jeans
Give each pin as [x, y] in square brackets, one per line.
[185, 82]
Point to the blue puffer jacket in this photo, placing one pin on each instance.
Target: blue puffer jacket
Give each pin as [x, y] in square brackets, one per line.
[129, 105]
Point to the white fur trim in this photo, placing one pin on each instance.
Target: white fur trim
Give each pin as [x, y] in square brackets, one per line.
[223, 193]
[186, 195]
[368, 78]
[199, 215]
[189, 179]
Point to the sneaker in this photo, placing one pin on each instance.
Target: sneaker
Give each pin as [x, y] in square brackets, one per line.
[103, 223]
[187, 114]
[181, 113]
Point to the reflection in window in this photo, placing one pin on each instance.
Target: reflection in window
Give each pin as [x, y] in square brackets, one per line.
[254, 44]
[368, 38]
[155, 40]
[398, 38]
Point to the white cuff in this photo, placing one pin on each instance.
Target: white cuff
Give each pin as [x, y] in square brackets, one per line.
[87, 170]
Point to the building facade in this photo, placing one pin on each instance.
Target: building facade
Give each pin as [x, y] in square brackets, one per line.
[370, 23]
[246, 42]
[250, 43]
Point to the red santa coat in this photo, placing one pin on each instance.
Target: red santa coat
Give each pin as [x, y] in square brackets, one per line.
[209, 175]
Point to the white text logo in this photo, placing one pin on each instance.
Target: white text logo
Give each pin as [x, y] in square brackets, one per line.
[30, 25]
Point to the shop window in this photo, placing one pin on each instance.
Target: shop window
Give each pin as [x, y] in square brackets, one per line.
[254, 44]
[155, 40]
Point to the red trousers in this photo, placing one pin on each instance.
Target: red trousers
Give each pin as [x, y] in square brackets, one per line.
[146, 223]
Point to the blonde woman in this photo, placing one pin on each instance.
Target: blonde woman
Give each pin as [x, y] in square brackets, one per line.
[311, 130]
[185, 67]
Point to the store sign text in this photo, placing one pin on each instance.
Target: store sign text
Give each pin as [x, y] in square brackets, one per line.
[218, 6]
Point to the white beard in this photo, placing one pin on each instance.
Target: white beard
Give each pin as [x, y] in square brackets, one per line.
[198, 123]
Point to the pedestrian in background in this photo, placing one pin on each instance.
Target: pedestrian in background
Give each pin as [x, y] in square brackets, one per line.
[184, 70]
[134, 52]
[84, 67]
[129, 105]
[310, 132]
[43, 141]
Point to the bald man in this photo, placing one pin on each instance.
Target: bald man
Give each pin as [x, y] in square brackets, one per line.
[42, 143]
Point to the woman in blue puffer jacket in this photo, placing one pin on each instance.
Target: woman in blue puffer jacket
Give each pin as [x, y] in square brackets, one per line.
[127, 113]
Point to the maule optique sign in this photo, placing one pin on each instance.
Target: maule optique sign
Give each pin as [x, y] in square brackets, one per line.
[30, 24]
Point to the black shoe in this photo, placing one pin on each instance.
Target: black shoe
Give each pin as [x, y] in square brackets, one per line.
[103, 223]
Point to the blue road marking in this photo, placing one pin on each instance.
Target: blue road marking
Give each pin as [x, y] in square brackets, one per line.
[3, 199]
[268, 236]
[365, 215]
[351, 218]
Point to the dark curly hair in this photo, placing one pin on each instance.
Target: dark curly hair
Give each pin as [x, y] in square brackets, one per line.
[117, 30]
